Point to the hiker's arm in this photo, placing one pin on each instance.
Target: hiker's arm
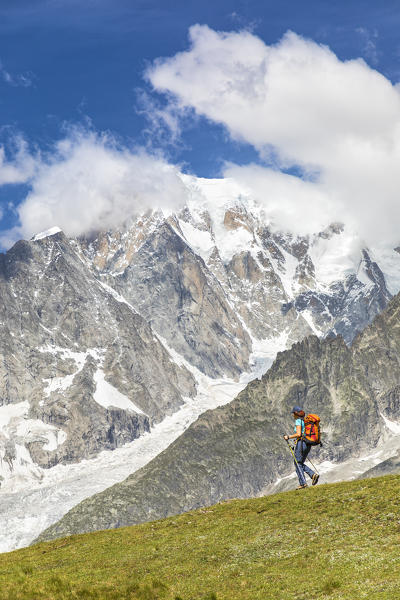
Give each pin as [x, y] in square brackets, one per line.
[296, 435]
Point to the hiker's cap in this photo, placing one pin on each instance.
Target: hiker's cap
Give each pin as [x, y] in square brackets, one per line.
[296, 409]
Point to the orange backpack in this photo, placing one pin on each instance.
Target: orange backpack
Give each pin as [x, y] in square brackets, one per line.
[312, 432]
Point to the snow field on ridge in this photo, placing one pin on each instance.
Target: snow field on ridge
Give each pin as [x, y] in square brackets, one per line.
[27, 512]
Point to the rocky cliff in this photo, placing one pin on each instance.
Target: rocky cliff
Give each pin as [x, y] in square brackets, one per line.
[237, 450]
[81, 371]
[174, 290]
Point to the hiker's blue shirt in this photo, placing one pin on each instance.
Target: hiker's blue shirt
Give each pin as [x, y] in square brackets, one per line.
[301, 423]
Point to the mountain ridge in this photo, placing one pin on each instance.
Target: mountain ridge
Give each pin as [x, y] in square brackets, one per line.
[237, 450]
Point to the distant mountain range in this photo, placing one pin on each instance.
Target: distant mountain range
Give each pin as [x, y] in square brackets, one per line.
[103, 337]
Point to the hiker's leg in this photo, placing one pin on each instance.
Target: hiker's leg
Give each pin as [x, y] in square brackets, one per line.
[300, 474]
[305, 451]
[300, 463]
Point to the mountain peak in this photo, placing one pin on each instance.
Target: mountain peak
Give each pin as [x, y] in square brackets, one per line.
[48, 233]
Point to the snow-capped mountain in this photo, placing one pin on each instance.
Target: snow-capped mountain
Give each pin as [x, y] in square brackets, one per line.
[223, 287]
[105, 337]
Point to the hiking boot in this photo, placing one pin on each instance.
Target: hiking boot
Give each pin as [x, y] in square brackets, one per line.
[315, 478]
[301, 487]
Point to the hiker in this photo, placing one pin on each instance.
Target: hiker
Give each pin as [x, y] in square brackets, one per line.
[302, 449]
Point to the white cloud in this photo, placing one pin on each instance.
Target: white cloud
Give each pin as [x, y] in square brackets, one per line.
[284, 197]
[9, 237]
[20, 166]
[88, 183]
[20, 80]
[339, 121]
[369, 39]
[164, 122]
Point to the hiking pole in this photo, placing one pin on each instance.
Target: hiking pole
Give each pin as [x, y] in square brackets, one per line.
[291, 450]
[312, 464]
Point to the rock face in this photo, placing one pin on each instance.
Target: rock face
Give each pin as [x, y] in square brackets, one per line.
[81, 371]
[237, 450]
[224, 289]
[175, 291]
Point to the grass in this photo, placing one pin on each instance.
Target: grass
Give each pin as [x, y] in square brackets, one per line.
[327, 542]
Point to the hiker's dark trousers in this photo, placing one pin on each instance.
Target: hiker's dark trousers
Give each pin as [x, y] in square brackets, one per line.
[301, 452]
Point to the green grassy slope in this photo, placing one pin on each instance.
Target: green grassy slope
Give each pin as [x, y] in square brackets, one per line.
[330, 541]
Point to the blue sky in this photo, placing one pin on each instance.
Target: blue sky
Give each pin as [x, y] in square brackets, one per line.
[64, 64]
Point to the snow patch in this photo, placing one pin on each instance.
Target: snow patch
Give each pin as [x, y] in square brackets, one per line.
[217, 196]
[45, 234]
[393, 426]
[263, 354]
[336, 257]
[61, 384]
[8, 412]
[109, 397]
[362, 276]
[55, 439]
[287, 275]
[117, 296]
[58, 384]
[78, 357]
[389, 263]
[307, 316]
[33, 430]
[200, 241]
